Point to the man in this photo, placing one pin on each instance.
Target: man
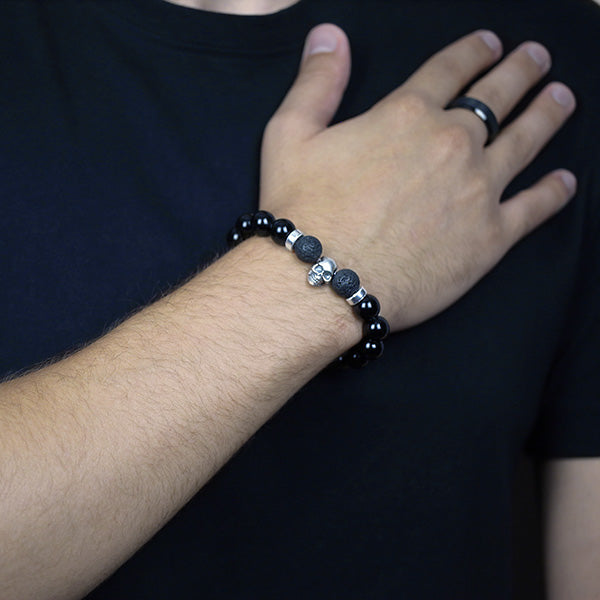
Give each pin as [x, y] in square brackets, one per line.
[132, 145]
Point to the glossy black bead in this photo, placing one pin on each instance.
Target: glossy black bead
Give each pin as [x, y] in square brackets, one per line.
[308, 249]
[355, 359]
[234, 237]
[262, 223]
[345, 282]
[339, 363]
[280, 230]
[376, 328]
[368, 307]
[245, 225]
[371, 349]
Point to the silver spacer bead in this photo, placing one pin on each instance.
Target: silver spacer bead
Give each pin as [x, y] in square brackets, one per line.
[292, 239]
[357, 296]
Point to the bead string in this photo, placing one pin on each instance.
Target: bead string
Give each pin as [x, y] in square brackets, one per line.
[344, 282]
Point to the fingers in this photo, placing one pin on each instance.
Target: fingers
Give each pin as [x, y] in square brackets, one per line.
[504, 86]
[448, 71]
[317, 92]
[518, 144]
[530, 208]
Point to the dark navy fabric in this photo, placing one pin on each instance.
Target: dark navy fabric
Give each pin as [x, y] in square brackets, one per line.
[129, 143]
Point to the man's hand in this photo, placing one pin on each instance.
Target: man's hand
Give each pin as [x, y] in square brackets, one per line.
[406, 194]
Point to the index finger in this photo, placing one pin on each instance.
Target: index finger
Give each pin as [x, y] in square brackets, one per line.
[447, 72]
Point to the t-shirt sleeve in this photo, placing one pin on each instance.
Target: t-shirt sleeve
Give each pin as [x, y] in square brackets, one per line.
[568, 425]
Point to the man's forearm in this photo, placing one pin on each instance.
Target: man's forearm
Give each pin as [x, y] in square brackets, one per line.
[99, 450]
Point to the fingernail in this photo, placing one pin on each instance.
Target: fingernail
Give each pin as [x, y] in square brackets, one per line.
[320, 39]
[563, 95]
[569, 180]
[492, 40]
[540, 55]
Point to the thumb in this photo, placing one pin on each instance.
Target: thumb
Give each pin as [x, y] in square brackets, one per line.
[317, 92]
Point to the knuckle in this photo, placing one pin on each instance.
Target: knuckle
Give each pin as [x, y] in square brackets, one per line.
[413, 103]
[523, 143]
[320, 71]
[551, 116]
[448, 62]
[454, 138]
[317, 69]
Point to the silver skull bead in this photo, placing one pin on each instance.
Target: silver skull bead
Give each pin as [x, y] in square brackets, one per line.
[322, 272]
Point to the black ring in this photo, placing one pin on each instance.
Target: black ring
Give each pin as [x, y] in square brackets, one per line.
[483, 111]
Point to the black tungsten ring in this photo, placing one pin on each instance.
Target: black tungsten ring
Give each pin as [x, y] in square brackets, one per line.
[483, 111]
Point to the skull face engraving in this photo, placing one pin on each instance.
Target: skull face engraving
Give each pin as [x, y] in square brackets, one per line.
[322, 272]
[315, 275]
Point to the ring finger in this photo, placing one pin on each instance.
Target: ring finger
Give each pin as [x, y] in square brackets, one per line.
[505, 85]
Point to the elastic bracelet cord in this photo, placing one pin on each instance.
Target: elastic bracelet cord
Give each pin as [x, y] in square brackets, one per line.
[344, 282]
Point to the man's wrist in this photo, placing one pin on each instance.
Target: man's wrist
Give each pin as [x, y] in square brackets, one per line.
[315, 322]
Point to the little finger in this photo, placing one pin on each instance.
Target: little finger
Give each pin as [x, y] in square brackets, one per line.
[522, 213]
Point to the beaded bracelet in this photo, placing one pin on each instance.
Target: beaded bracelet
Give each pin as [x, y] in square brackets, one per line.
[344, 282]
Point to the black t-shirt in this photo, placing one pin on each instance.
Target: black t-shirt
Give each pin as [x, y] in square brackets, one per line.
[130, 135]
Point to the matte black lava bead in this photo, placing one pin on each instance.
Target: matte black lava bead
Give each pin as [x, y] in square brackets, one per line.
[345, 282]
[308, 249]
[368, 307]
[234, 237]
[245, 225]
[262, 223]
[371, 349]
[376, 328]
[280, 230]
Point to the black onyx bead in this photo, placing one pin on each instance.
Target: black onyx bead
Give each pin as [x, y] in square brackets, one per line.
[234, 237]
[371, 349]
[280, 230]
[308, 249]
[376, 328]
[245, 225]
[345, 282]
[339, 363]
[262, 223]
[368, 307]
[354, 358]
